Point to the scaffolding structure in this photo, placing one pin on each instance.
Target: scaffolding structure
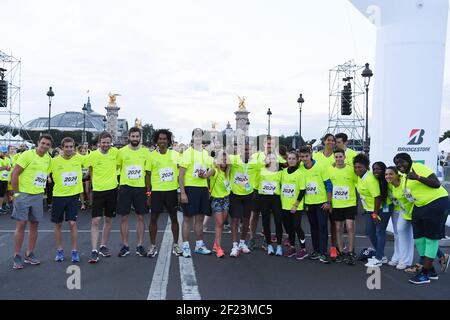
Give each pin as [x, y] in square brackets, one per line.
[353, 125]
[10, 116]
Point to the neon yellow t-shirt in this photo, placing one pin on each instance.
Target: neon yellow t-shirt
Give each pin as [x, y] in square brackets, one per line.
[194, 162]
[104, 169]
[322, 159]
[344, 190]
[67, 175]
[291, 184]
[243, 175]
[350, 154]
[368, 188]
[259, 159]
[35, 170]
[315, 178]
[398, 199]
[269, 182]
[132, 164]
[419, 193]
[5, 174]
[164, 170]
[220, 186]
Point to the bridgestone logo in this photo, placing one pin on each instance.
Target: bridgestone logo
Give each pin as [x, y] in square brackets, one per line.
[414, 149]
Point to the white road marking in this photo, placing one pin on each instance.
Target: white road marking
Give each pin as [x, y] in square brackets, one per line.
[158, 287]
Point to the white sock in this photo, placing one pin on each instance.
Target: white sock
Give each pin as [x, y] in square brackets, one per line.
[186, 244]
[199, 243]
[235, 244]
[242, 242]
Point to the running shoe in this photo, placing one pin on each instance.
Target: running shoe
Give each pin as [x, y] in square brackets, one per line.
[243, 248]
[202, 250]
[314, 256]
[351, 259]
[420, 278]
[324, 259]
[286, 243]
[234, 252]
[270, 250]
[17, 262]
[124, 251]
[59, 255]
[301, 254]
[393, 263]
[432, 275]
[176, 250]
[152, 252]
[279, 252]
[94, 256]
[333, 253]
[273, 238]
[31, 259]
[374, 263]
[291, 252]
[219, 252]
[342, 257]
[401, 266]
[75, 256]
[3, 211]
[444, 262]
[252, 244]
[415, 269]
[214, 248]
[104, 251]
[265, 246]
[186, 252]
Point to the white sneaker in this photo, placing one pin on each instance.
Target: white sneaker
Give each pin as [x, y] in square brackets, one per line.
[234, 252]
[393, 263]
[270, 250]
[374, 263]
[186, 252]
[243, 248]
[279, 251]
[401, 266]
[384, 260]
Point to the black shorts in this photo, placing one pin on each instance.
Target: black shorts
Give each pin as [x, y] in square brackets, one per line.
[3, 188]
[167, 199]
[342, 214]
[429, 221]
[64, 208]
[132, 196]
[241, 206]
[256, 206]
[198, 201]
[104, 203]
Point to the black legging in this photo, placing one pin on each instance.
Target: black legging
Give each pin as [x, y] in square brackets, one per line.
[292, 223]
[271, 204]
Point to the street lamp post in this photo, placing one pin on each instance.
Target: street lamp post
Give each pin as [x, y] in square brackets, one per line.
[269, 113]
[50, 95]
[84, 123]
[300, 101]
[104, 123]
[367, 74]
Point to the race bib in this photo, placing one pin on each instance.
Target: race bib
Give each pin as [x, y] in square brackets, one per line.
[241, 179]
[268, 187]
[198, 169]
[69, 179]
[227, 185]
[166, 174]
[133, 172]
[312, 189]
[5, 174]
[288, 190]
[341, 193]
[40, 179]
[409, 196]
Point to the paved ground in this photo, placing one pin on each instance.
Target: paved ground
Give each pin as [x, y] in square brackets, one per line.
[253, 276]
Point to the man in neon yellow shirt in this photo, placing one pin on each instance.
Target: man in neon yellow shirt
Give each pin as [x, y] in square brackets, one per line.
[28, 182]
[102, 164]
[343, 179]
[341, 143]
[195, 168]
[163, 168]
[430, 212]
[5, 171]
[66, 174]
[134, 189]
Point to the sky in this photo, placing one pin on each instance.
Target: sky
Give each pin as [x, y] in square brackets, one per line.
[181, 64]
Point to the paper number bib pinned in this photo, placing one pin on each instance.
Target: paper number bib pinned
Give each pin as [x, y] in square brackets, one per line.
[166, 175]
[133, 172]
[40, 179]
[311, 189]
[288, 190]
[197, 169]
[268, 187]
[69, 179]
[341, 193]
[5, 174]
[241, 179]
[409, 196]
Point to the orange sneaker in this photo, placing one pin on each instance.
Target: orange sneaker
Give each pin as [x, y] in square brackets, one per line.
[333, 253]
[215, 246]
[219, 252]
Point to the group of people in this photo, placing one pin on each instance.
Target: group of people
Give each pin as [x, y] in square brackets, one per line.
[241, 187]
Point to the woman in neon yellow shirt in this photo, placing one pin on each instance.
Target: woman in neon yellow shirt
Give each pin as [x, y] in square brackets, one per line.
[430, 211]
[220, 202]
[401, 220]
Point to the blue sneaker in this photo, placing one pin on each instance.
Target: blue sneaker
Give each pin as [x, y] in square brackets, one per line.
[279, 251]
[420, 278]
[75, 256]
[202, 250]
[432, 275]
[186, 252]
[59, 255]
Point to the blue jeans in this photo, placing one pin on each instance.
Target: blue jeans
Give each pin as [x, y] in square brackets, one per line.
[376, 232]
[318, 220]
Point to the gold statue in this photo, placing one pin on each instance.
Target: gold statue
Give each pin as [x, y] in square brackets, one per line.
[112, 99]
[138, 123]
[241, 103]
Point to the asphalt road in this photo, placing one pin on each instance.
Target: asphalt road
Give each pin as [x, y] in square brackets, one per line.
[253, 276]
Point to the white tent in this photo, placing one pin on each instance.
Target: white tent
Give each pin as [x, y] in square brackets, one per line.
[445, 145]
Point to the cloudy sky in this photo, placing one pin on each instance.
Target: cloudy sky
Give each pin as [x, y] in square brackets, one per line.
[181, 63]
